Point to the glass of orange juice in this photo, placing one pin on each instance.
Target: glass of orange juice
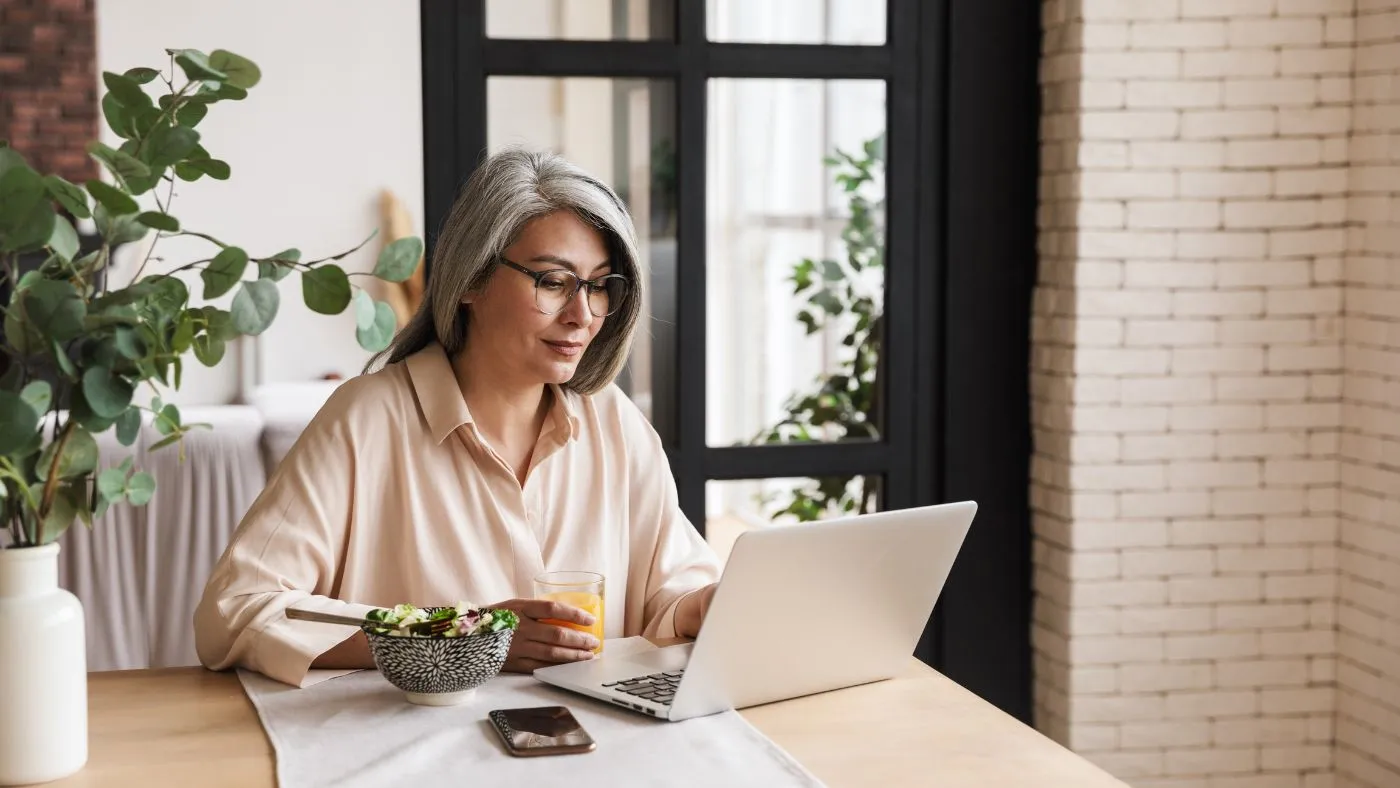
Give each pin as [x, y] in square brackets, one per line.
[583, 590]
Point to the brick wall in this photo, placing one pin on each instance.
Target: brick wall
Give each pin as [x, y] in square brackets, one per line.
[1368, 672]
[48, 83]
[1188, 379]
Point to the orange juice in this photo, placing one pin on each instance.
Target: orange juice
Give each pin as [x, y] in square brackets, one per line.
[585, 601]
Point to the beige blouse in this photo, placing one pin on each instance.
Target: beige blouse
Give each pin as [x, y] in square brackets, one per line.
[391, 495]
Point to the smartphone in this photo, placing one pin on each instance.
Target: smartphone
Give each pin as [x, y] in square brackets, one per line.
[542, 730]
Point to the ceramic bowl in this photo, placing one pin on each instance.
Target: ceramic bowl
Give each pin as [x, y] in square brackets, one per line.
[439, 671]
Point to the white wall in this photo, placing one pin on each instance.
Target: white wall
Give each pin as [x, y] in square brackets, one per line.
[336, 119]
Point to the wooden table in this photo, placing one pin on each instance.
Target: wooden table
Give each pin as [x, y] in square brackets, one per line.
[190, 726]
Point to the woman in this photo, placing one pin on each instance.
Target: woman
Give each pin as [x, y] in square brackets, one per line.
[491, 447]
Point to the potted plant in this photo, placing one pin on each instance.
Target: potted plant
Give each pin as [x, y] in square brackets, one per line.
[76, 355]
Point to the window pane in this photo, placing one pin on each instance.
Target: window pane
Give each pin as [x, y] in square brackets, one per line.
[581, 19]
[797, 21]
[795, 266]
[622, 131]
[732, 507]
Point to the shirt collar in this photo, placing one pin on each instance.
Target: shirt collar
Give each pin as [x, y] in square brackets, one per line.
[435, 385]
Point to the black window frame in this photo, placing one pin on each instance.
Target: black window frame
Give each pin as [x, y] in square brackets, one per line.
[963, 114]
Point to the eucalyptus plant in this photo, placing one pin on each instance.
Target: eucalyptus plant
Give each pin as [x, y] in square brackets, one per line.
[76, 352]
[843, 403]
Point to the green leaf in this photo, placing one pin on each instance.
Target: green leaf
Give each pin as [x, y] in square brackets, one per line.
[64, 362]
[116, 201]
[254, 307]
[140, 488]
[831, 271]
[67, 502]
[827, 300]
[63, 240]
[399, 259]
[241, 71]
[191, 114]
[208, 350]
[214, 168]
[168, 419]
[79, 456]
[196, 65]
[169, 144]
[122, 165]
[326, 289]
[55, 309]
[227, 92]
[32, 231]
[111, 484]
[184, 334]
[224, 272]
[364, 310]
[160, 221]
[141, 75]
[381, 331]
[187, 172]
[120, 229]
[128, 426]
[21, 189]
[127, 90]
[69, 196]
[219, 324]
[279, 265]
[18, 421]
[39, 395]
[119, 119]
[107, 393]
[130, 344]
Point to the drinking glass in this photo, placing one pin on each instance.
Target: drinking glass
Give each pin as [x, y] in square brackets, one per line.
[583, 590]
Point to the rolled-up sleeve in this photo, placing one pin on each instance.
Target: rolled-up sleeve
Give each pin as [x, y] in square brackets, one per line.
[669, 559]
[285, 553]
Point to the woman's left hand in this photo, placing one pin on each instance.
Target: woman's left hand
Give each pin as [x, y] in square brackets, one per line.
[690, 614]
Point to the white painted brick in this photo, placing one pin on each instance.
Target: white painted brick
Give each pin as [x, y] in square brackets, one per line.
[1210, 475]
[1217, 760]
[1088, 622]
[1195, 361]
[1117, 477]
[1274, 273]
[1173, 504]
[1225, 9]
[1270, 213]
[1167, 447]
[1273, 153]
[1230, 63]
[1301, 586]
[1135, 10]
[1100, 214]
[1196, 418]
[1095, 737]
[1164, 735]
[1146, 36]
[1170, 332]
[1124, 303]
[1215, 532]
[1215, 646]
[1314, 120]
[1115, 649]
[1282, 415]
[1296, 758]
[1163, 390]
[1306, 243]
[1173, 214]
[1312, 301]
[1130, 65]
[1264, 501]
[1291, 701]
[1221, 183]
[1263, 444]
[1197, 705]
[1261, 331]
[1217, 245]
[1102, 155]
[1286, 472]
[1276, 730]
[1265, 559]
[1167, 562]
[1321, 181]
[1112, 593]
[1233, 124]
[1329, 60]
[1304, 358]
[1165, 677]
[1095, 448]
[1258, 388]
[1138, 125]
[1118, 708]
[1273, 672]
[1280, 92]
[1335, 90]
[1246, 33]
[1107, 535]
[1126, 185]
[1340, 30]
[1191, 590]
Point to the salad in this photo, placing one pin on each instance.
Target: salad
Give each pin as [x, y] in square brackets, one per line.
[467, 619]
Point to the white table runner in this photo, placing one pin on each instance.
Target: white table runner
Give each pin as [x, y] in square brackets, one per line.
[358, 731]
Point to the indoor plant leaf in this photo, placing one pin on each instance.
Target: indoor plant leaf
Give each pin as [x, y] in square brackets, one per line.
[399, 259]
[128, 426]
[278, 265]
[127, 90]
[364, 310]
[326, 289]
[140, 488]
[191, 114]
[32, 231]
[159, 221]
[18, 422]
[63, 239]
[107, 393]
[381, 330]
[141, 75]
[224, 272]
[39, 395]
[118, 229]
[111, 483]
[122, 165]
[129, 343]
[69, 196]
[80, 455]
[241, 72]
[54, 308]
[255, 306]
[20, 190]
[116, 201]
[167, 419]
[169, 144]
[214, 168]
[209, 350]
[196, 65]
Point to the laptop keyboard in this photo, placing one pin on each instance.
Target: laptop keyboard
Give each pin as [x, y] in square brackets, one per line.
[658, 688]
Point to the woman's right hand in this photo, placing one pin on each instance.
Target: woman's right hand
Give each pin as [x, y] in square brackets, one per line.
[539, 644]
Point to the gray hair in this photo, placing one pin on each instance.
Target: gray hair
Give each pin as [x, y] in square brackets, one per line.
[504, 194]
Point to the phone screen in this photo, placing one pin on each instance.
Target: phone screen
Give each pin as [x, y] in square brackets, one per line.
[539, 730]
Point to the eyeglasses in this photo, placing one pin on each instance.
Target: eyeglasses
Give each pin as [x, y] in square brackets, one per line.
[555, 289]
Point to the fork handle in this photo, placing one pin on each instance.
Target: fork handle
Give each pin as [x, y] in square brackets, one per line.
[333, 618]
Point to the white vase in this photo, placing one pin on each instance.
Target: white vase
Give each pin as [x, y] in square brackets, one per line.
[43, 670]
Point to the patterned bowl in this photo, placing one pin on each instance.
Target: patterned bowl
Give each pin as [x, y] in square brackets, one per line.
[439, 671]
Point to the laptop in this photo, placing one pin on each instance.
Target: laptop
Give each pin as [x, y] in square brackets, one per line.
[800, 609]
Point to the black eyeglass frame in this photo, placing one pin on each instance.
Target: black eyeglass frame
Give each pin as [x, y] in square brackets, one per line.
[600, 282]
